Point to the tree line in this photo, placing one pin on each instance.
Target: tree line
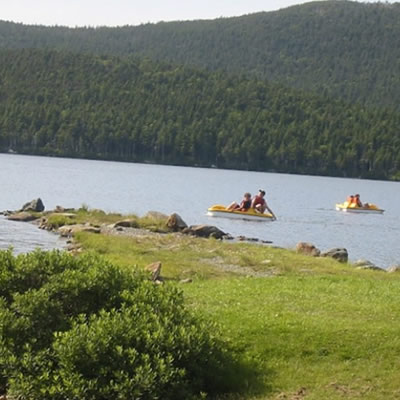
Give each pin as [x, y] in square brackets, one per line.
[134, 109]
[344, 49]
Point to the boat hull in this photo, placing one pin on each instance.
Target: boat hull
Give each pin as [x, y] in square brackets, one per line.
[221, 211]
[360, 210]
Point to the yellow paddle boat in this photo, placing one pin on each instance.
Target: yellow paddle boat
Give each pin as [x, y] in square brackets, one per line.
[367, 208]
[249, 215]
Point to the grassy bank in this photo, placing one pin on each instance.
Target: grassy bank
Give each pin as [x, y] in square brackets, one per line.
[324, 337]
[302, 327]
[307, 327]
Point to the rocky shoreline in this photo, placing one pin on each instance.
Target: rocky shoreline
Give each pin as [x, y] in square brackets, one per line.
[341, 255]
[34, 212]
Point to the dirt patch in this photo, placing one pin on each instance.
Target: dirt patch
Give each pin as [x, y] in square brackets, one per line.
[347, 391]
[298, 395]
[220, 263]
[129, 232]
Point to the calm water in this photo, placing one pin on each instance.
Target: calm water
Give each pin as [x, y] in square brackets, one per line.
[304, 205]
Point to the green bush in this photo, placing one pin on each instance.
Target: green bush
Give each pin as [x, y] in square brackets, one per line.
[82, 328]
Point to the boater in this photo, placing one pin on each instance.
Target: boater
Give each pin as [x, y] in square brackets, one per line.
[260, 205]
[244, 205]
[357, 201]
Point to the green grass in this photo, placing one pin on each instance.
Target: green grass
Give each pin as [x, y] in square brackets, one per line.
[307, 327]
[334, 336]
[207, 258]
[80, 216]
[98, 217]
[190, 258]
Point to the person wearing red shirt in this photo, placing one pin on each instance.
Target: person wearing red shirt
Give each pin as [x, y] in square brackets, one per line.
[260, 205]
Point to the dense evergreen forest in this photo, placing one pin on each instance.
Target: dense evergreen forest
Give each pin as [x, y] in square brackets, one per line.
[134, 109]
[346, 49]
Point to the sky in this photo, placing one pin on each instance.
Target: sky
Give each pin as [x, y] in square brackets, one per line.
[130, 12]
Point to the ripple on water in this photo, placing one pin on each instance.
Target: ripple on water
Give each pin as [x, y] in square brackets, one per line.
[24, 237]
[304, 205]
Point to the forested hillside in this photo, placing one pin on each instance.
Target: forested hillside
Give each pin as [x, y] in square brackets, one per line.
[346, 49]
[68, 104]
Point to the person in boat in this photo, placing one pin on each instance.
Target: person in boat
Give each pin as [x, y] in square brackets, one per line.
[357, 201]
[259, 204]
[244, 205]
[350, 200]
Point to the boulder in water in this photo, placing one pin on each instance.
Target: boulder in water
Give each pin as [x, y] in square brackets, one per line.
[176, 223]
[366, 264]
[205, 231]
[22, 216]
[339, 254]
[34, 205]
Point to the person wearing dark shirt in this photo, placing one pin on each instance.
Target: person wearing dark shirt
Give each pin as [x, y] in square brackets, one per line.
[357, 201]
[244, 205]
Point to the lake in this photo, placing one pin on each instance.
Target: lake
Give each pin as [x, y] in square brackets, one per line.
[304, 205]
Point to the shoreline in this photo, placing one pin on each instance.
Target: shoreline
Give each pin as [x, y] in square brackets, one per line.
[147, 162]
[279, 309]
[122, 225]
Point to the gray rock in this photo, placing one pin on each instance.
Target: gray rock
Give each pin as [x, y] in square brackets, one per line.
[394, 268]
[127, 223]
[176, 223]
[228, 237]
[186, 280]
[206, 231]
[22, 216]
[371, 267]
[339, 254]
[6, 213]
[366, 264]
[307, 249]
[34, 205]
[362, 262]
[71, 230]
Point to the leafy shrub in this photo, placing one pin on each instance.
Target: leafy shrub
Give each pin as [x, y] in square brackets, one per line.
[82, 328]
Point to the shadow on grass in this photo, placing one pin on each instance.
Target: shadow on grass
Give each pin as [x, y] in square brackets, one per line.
[236, 378]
